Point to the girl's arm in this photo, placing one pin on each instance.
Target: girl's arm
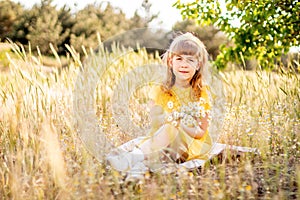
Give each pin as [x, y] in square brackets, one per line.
[197, 132]
[157, 115]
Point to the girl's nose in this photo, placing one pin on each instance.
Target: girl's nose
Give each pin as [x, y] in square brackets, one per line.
[184, 63]
[183, 66]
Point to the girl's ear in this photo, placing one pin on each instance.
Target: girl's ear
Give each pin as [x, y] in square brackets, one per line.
[199, 65]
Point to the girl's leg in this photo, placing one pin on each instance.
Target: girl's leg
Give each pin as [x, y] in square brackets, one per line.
[164, 137]
[149, 149]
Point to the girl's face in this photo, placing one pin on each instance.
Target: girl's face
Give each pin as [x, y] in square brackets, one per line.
[184, 67]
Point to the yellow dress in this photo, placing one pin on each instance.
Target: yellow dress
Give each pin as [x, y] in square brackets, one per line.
[170, 102]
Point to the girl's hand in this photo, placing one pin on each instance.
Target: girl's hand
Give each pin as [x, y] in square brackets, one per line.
[157, 115]
[197, 131]
[203, 122]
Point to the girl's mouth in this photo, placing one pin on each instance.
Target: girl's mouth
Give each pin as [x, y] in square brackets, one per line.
[184, 72]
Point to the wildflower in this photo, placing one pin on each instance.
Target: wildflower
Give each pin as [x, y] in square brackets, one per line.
[189, 121]
[197, 114]
[181, 114]
[203, 114]
[188, 113]
[201, 109]
[170, 104]
[202, 100]
[248, 188]
[193, 113]
[250, 133]
[208, 116]
[174, 123]
[216, 183]
[176, 115]
[169, 118]
[197, 104]
[184, 109]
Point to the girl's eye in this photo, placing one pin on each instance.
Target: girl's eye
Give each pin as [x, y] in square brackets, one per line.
[178, 58]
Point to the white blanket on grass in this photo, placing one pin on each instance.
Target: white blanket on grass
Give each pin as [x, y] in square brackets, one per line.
[217, 149]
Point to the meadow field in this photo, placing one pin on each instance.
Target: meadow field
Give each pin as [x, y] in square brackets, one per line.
[42, 155]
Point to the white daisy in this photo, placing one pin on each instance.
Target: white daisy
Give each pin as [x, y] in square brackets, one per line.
[184, 109]
[202, 100]
[182, 114]
[197, 114]
[170, 118]
[176, 115]
[170, 104]
[174, 123]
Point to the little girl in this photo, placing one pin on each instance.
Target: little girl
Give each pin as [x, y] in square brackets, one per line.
[180, 110]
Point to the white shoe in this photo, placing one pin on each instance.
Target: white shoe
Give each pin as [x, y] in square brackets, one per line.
[124, 161]
[137, 172]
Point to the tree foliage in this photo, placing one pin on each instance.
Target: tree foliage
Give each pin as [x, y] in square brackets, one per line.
[260, 29]
[9, 13]
[92, 20]
[46, 27]
[44, 23]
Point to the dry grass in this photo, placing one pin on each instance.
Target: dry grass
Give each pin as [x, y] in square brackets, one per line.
[43, 158]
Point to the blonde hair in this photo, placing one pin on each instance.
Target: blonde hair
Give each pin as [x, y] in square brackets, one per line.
[187, 44]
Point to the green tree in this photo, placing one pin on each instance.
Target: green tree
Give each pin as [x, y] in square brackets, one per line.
[45, 27]
[10, 12]
[93, 20]
[44, 24]
[260, 29]
[39, 25]
[67, 20]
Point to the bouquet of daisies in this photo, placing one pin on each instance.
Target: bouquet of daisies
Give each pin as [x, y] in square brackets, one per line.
[188, 114]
